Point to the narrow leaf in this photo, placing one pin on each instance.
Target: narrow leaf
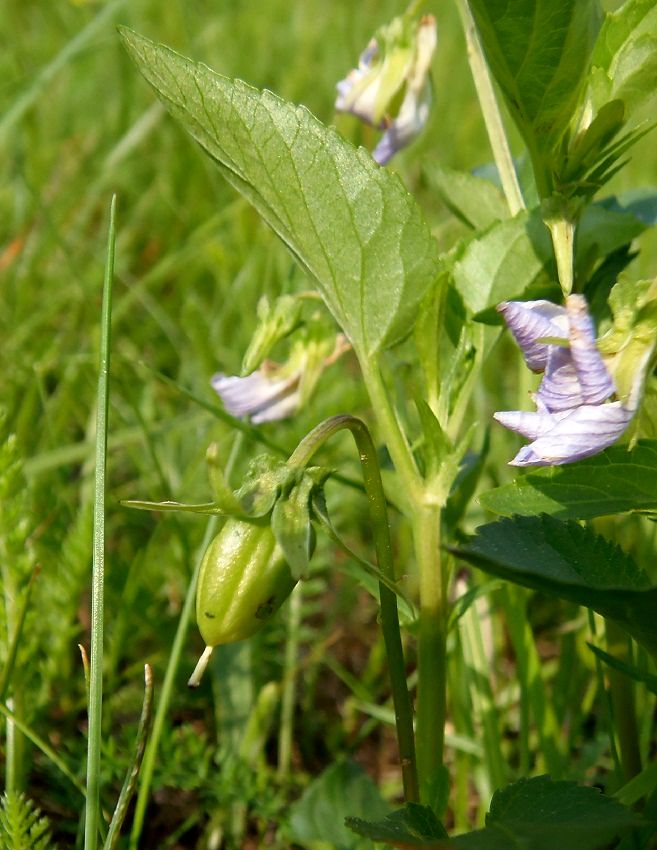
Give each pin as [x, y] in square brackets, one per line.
[349, 223]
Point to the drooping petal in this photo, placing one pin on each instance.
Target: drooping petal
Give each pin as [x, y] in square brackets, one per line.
[530, 321]
[408, 124]
[596, 384]
[560, 388]
[530, 424]
[261, 397]
[581, 433]
[359, 91]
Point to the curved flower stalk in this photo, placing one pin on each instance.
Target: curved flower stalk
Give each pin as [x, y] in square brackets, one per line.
[576, 416]
[391, 87]
[276, 391]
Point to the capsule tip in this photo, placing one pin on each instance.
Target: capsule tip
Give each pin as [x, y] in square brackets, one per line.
[195, 679]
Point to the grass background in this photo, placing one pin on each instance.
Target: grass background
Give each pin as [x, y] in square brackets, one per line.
[76, 125]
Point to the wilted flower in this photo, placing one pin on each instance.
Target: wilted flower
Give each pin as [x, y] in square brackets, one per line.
[276, 391]
[575, 417]
[391, 88]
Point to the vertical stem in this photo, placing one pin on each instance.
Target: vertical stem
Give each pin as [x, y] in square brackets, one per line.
[432, 667]
[622, 700]
[388, 601]
[286, 730]
[92, 812]
[490, 111]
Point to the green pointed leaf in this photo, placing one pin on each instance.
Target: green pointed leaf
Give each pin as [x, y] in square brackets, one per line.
[412, 826]
[615, 481]
[349, 223]
[211, 508]
[293, 530]
[474, 200]
[569, 561]
[539, 52]
[318, 816]
[624, 61]
[504, 262]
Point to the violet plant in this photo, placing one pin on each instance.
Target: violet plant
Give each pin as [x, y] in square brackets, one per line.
[544, 254]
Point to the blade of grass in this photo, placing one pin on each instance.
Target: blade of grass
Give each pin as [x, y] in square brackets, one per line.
[5, 676]
[148, 765]
[75, 45]
[92, 811]
[45, 748]
[130, 782]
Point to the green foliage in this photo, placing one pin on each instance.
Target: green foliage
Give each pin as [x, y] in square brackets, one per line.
[531, 814]
[22, 826]
[342, 790]
[505, 262]
[474, 200]
[412, 826]
[349, 223]
[615, 481]
[570, 561]
[624, 60]
[539, 52]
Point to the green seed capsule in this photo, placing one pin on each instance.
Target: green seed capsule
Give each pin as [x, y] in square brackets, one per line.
[244, 580]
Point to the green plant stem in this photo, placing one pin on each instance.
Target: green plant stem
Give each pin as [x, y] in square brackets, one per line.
[622, 701]
[286, 729]
[432, 667]
[92, 811]
[388, 601]
[42, 745]
[148, 764]
[490, 111]
[132, 774]
[395, 439]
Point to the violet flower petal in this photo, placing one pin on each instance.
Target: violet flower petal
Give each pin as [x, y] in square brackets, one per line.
[595, 381]
[583, 432]
[257, 395]
[528, 423]
[560, 388]
[530, 321]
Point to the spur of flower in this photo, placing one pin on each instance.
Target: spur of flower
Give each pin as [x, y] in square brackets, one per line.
[580, 411]
[391, 87]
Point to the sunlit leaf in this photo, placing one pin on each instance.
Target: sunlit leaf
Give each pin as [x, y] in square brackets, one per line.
[349, 223]
[539, 51]
[615, 481]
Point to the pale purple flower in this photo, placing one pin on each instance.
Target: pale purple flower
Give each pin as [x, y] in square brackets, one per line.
[399, 62]
[574, 418]
[263, 396]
